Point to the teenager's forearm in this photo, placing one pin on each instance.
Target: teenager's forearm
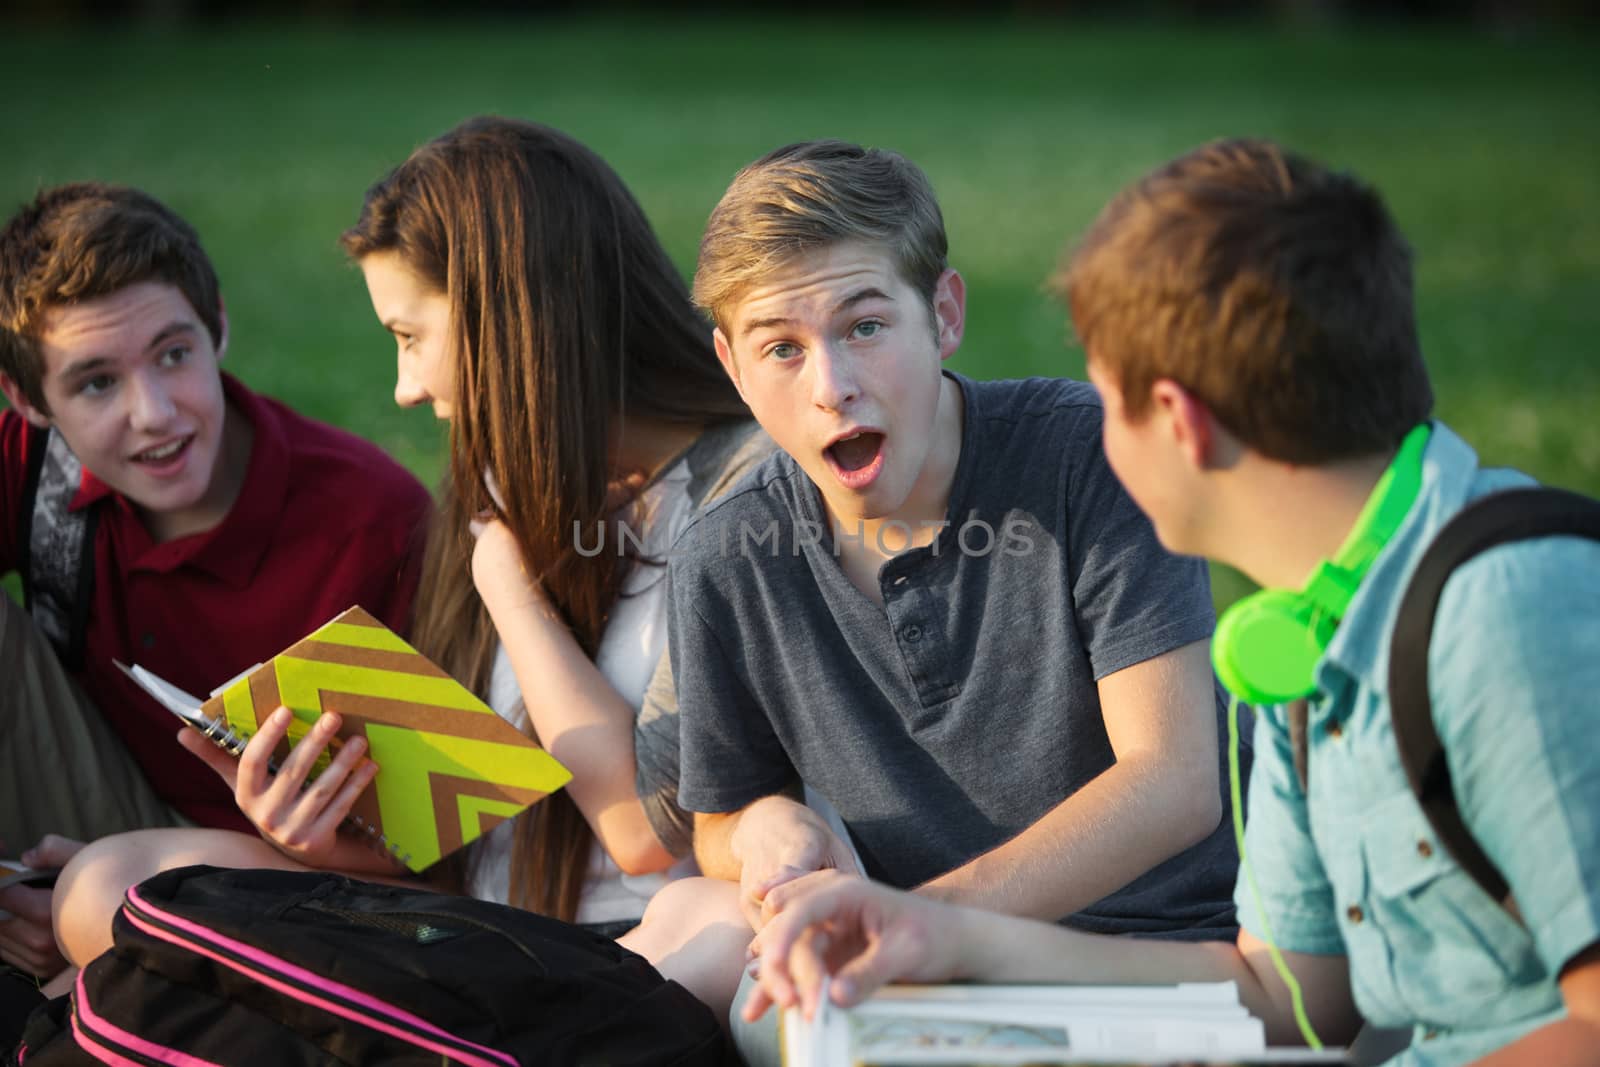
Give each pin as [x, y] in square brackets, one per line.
[1564, 1043]
[1004, 948]
[1136, 814]
[583, 722]
[713, 845]
[1572, 1041]
[775, 836]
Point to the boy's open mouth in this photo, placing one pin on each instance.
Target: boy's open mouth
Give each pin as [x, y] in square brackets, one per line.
[164, 455]
[856, 459]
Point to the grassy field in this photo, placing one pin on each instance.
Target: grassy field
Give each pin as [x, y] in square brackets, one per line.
[266, 137]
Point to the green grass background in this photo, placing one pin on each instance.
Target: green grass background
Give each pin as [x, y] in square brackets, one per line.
[266, 136]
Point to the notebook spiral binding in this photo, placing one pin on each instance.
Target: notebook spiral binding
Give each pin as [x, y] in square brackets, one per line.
[220, 733]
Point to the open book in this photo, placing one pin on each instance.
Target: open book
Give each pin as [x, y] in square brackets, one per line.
[449, 767]
[1036, 1024]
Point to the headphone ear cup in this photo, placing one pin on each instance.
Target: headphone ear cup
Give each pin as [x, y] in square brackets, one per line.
[1266, 647]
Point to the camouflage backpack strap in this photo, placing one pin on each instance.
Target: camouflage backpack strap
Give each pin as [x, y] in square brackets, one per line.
[57, 547]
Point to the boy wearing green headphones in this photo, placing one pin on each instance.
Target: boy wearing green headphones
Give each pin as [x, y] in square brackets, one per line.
[1247, 316]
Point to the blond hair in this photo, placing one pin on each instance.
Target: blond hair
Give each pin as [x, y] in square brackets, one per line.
[810, 195]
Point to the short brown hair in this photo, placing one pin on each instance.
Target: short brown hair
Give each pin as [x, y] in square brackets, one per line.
[812, 194]
[86, 240]
[1275, 290]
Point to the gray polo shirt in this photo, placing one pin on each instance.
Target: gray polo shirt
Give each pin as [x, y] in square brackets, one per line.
[956, 715]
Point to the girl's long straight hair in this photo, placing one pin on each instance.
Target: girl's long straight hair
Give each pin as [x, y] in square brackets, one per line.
[565, 316]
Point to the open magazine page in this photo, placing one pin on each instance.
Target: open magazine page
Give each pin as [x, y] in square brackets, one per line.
[984, 1025]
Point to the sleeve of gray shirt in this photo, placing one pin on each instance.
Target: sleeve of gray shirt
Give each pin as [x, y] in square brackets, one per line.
[655, 749]
[1134, 600]
[730, 754]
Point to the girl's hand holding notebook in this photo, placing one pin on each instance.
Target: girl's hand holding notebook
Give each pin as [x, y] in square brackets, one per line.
[453, 769]
[295, 809]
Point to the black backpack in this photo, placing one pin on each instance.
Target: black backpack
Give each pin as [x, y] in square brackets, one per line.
[275, 967]
[1495, 519]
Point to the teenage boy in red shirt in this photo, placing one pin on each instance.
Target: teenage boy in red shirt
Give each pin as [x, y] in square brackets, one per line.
[160, 513]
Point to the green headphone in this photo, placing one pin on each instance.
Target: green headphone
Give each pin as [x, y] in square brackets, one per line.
[1267, 645]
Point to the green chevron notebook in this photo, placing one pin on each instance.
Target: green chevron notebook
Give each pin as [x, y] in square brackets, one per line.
[450, 769]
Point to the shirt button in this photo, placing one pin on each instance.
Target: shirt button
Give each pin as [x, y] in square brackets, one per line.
[1424, 849]
[1335, 731]
[1354, 913]
[912, 632]
[148, 641]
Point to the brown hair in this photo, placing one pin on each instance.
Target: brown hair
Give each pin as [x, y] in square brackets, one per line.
[1275, 290]
[83, 241]
[809, 195]
[565, 313]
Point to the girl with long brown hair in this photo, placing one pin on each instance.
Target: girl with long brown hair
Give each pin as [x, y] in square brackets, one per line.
[535, 310]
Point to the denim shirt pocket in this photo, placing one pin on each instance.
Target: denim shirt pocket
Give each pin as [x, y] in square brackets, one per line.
[1453, 953]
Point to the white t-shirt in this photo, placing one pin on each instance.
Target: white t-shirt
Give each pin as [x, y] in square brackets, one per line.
[633, 642]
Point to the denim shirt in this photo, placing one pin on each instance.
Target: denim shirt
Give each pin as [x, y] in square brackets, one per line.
[1355, 868]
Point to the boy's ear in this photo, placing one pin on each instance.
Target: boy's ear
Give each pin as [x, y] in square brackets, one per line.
[1193, 427]
[17, 399]
[222, 317]
[950, 311]
[719, 341]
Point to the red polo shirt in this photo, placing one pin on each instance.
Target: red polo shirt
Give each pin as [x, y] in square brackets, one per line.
[325, 520]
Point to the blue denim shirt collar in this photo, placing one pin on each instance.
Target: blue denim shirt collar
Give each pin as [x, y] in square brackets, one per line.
[1359, 650]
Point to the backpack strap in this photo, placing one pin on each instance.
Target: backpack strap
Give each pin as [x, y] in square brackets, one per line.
[38, 441]
[57, 552]
[1496, 519]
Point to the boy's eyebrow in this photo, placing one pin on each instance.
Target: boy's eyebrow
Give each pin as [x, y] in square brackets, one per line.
[170, 330]
[860, 295]
[85, 366]
[93, 364]
[761, 324]
[868, 293]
